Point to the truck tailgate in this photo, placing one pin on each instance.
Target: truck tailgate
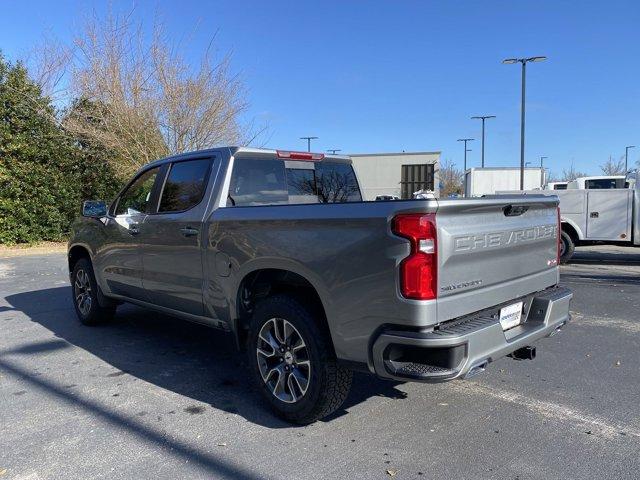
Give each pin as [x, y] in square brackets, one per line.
[494, 249]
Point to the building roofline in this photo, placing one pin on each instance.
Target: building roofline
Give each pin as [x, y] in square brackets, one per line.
[503, 168]
[392, 154]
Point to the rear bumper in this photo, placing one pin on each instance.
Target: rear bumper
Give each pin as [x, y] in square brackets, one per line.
[463, 347]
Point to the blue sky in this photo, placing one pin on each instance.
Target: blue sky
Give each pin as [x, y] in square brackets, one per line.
[392, 76]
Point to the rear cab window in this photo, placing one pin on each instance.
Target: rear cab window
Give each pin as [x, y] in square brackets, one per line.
[283, 182]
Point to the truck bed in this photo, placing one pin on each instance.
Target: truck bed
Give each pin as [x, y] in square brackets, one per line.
[489, 250]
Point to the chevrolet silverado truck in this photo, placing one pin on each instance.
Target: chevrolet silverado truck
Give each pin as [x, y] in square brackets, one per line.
[279, 249]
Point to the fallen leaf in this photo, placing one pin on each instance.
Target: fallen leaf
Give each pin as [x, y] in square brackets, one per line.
[3, 471]
[391, 473]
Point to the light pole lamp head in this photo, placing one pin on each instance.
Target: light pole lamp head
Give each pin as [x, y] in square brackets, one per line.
[466, 139]
[524, 60]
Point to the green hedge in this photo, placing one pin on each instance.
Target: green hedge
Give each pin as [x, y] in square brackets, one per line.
[44, 173]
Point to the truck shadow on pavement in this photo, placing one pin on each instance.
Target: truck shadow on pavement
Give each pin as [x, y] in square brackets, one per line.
[186, 358]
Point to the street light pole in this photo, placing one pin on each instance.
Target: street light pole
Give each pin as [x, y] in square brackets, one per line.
[333, 150]
[524, 62]
[542, 161]
[308, 139]
[483, 118]
[626, 158]
[465, 140]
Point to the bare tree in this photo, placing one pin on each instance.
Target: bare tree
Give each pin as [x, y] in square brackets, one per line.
[613, 167]
[49, 64]
[451, 178]
[571, 174]
[145, 99]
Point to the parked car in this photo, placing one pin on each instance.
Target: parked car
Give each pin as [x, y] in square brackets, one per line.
[278, 249]
[556, 186]
[386, 198]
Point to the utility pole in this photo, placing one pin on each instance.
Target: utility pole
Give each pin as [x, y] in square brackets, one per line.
[465, 140]
[626, 158]
[483, 118]
[308, 139]
[524, 62]
[542, 161]
[333, 150]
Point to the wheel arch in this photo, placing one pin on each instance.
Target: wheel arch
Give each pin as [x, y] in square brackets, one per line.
[571, 229]
[264, 282]
[75, 253]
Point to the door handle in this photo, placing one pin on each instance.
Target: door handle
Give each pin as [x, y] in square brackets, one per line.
[189, 232]
[134, 229]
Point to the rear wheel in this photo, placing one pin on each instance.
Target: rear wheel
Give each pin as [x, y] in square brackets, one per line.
[292, 362]
[85, 295]
[567, 247]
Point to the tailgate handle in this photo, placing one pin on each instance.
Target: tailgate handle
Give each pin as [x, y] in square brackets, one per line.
[515, 210]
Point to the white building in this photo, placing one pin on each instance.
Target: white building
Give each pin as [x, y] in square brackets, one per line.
[488, 181]
[398, 174]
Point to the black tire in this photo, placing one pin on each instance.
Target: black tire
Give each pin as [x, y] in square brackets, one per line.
[328, 383]
[84, 294]
[567, 247]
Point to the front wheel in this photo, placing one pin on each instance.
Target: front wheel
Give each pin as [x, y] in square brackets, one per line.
[84, 289]
[292, 362]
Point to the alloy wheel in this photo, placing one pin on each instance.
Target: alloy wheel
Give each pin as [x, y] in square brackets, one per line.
[283, 360]
[82, 292]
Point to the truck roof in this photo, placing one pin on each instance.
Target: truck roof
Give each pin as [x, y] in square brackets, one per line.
[234, 150]
[599, 177]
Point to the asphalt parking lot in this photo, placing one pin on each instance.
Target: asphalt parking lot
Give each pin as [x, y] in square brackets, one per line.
[149, 396]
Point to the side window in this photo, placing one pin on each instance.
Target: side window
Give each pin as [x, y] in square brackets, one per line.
[135, 199]
[336, 182]
[601, 183]
[185, 185]
[257, 182]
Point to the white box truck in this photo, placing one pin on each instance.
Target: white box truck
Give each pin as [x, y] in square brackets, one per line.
[488, 181]
[588, 215]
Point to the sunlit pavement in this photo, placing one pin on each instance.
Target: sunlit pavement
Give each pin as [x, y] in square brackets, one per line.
[149, 396]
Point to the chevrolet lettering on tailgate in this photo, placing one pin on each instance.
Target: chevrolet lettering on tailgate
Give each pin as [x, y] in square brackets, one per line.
[501, 239]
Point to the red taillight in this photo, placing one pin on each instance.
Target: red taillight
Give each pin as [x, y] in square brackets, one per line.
[300, 155]
[419, 271]
[559, 237]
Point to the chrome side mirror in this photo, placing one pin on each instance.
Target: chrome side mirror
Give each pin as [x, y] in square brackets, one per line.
[94, 208]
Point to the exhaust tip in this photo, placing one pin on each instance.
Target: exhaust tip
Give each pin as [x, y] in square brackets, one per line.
[476, 369]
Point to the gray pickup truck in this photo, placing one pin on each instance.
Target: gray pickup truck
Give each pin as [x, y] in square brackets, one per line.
[279, 249]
